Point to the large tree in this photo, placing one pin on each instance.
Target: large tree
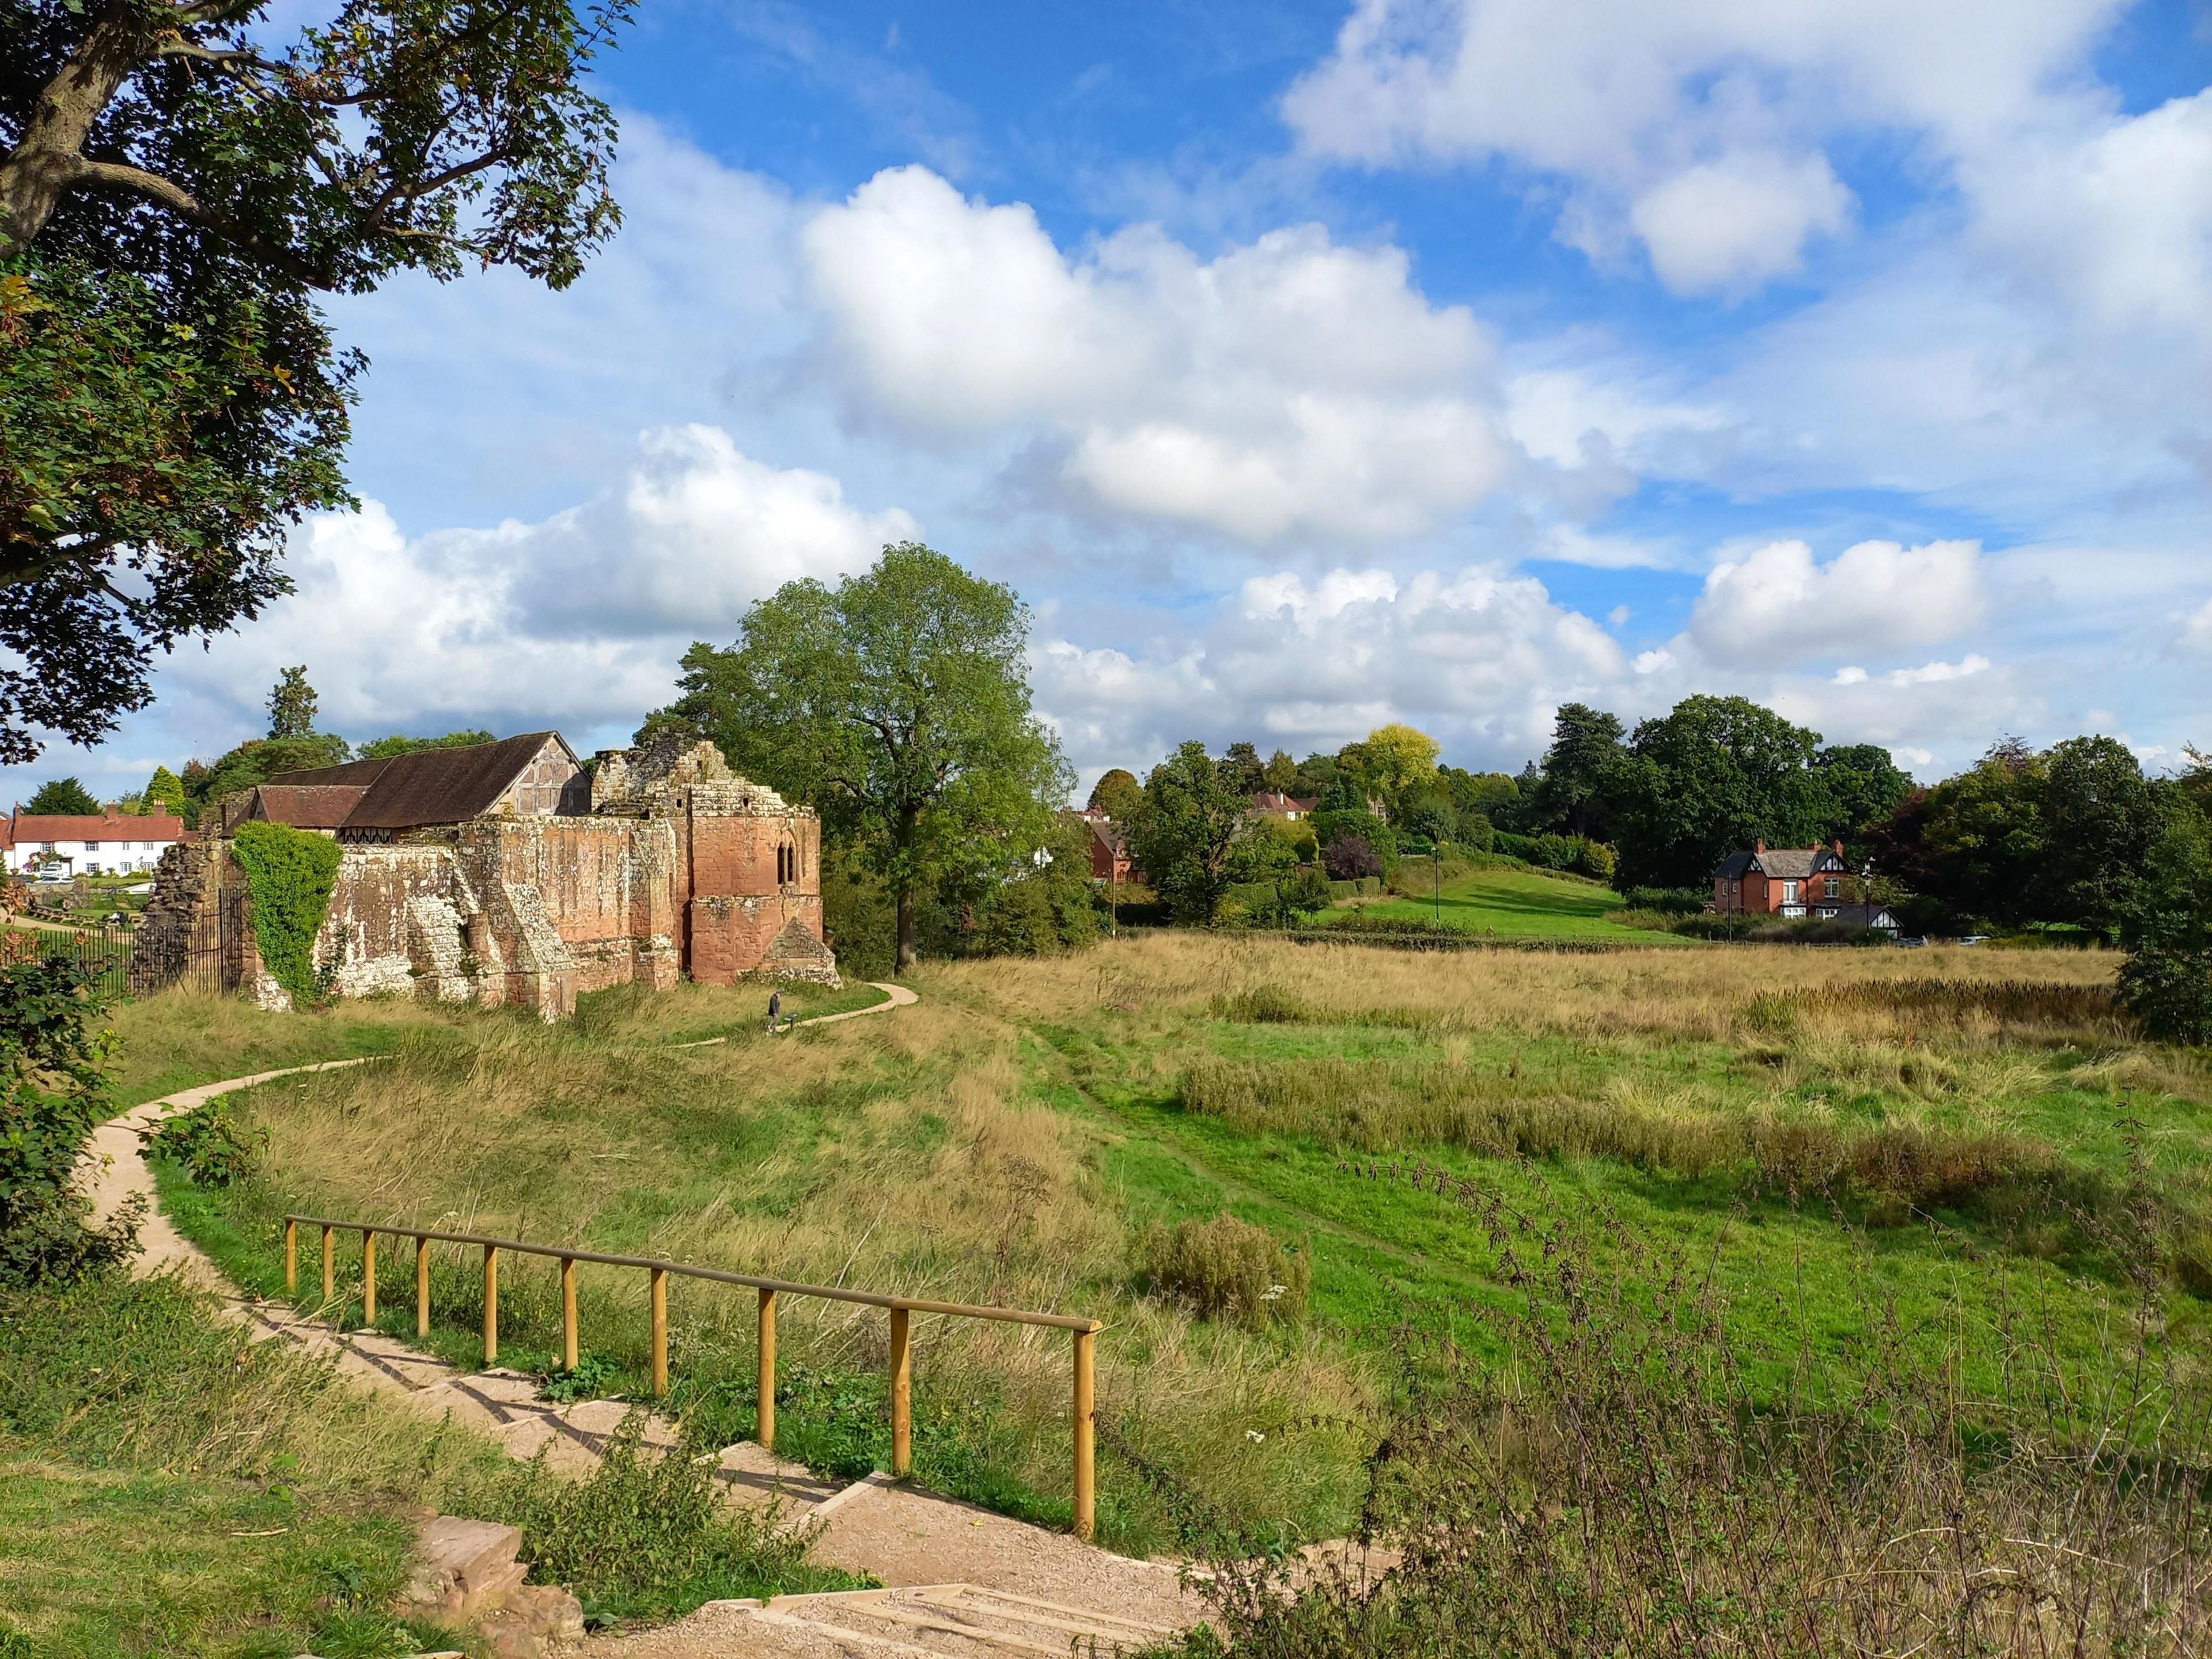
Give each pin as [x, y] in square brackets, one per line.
[897, 704]
[63, 797]
[1117, 795]
[1711, 775]
[1863, 785]
[176, 188]
[1187, 836]
[1570, 795]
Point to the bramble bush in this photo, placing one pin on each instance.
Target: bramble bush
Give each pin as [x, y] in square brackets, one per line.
[54, 1093]
[208, 1143]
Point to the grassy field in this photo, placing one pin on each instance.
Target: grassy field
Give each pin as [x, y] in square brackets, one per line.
[1942, 1147]
[1514, 904]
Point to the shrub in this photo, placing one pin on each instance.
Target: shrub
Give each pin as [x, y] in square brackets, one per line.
[54, 1093]
[1227, 1267]
[649, 1531]
[1619, 1491]
[289, 873]
[1672, 900]
[208, 1143]
[1351, 858]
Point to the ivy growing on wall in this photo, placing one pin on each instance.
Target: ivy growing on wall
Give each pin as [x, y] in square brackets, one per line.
[290, 873]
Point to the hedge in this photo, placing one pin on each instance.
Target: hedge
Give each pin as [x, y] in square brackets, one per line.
[290, 873]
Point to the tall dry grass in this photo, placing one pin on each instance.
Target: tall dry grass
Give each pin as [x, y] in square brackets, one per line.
[905, 1155]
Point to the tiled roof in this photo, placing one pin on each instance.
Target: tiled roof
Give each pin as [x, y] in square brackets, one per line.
[1273, 800]
[430, 786]
[307, 806]
[86, 826]
[1782, 863]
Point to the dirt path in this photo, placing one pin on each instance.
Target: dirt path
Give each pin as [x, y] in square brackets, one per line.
[906, 1537]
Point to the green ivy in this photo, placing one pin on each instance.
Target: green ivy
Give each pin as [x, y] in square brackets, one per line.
[290, 873]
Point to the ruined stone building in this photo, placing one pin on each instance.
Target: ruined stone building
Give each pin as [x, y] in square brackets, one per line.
[509, 872]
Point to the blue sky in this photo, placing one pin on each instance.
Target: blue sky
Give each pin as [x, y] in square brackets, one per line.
[1311, 365]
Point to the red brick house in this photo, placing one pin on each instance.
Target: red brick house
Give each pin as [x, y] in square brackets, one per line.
[1782, 881]
[1109, 849]
[1274, 804]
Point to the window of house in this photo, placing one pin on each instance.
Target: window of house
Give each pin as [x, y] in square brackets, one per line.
[1835, 886]
[1790, 892]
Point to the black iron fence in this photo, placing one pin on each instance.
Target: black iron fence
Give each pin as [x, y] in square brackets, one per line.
[104, 954]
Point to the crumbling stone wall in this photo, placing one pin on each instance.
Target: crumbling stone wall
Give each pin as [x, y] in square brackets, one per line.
[679, 866]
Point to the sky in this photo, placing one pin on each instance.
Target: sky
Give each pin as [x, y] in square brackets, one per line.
[1309, 365]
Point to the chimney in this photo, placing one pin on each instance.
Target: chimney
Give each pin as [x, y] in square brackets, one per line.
[1839, 847]
[1759, 845]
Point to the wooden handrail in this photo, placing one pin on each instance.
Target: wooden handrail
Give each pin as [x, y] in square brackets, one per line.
[901, 1307]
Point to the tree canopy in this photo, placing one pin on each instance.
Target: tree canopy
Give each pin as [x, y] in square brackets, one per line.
[1185, 835]
[175, 190]
[1570, 796]
[1117, 795]
[1707, 778]
[292, 705]
[62, 797]
[384, 748]
[897, 704]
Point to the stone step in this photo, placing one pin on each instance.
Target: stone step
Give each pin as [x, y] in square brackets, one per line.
[947, 1622]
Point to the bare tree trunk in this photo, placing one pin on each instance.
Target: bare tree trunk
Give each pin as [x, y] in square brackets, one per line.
[906, 951]
[49, 158]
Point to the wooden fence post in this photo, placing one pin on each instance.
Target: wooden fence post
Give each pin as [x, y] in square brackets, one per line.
[291, 1257]
[569, 1313]
[902, 1395]
[491, 1304]
[330, 1271]
[1086, 1495]
[660, 1330]
[367, 1277]
[765, 1432]
[422, 1287]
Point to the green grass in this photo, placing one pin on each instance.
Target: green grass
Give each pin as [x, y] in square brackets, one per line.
[1515, 904]
[1009, 1140]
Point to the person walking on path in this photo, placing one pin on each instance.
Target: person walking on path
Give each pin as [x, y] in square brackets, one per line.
[774, 1008]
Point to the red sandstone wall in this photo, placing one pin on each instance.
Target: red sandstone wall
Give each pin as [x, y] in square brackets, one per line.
[608, 884]
[737, 906]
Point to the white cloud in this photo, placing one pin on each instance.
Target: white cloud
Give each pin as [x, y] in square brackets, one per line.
[577, 619]
[2196, 631]
[1734, 223]
[1701, 125]
[1777, 606]
[1290, 386]
[1476, 656]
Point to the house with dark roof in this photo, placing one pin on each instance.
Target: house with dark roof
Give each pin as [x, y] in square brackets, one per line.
[1796, 881]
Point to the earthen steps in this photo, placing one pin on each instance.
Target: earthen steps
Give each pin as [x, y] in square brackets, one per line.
[940, 1622]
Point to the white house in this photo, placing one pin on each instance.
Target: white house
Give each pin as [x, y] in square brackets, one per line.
[80, 844]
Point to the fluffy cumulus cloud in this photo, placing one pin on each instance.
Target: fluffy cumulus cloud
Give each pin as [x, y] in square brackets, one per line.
[1776, 605]
[1291, 386]
[575, 620]
[1702, 130]
[1479, 656]
[1733, 223]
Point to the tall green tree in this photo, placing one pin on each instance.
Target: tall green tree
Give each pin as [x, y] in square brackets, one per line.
[2166, 925]
[1117, 795]
[1187, 836]
[1863, 787]
[1395, 757]
[1245, 772]
[164, 791]
[1281, 773]
[63, 797]
[1711, 775]
[2102, 818]
[178, 184]
[292, 705]
[1570, 795]
[897, 704]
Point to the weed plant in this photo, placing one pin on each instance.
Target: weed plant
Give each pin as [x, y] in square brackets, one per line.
[1225, 1268]
[649, 1534]
[1618, 1490]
